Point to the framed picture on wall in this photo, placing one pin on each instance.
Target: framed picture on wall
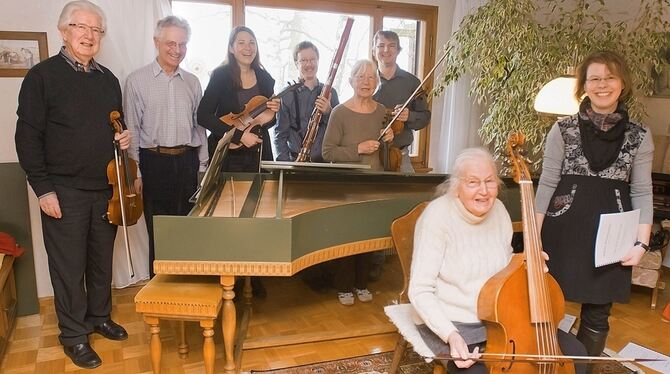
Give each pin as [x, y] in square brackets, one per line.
[662, 78]
[20, 50]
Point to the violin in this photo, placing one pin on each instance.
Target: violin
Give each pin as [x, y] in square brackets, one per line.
[126, 205]
[391, 155]
[255, 113]
[522, 305]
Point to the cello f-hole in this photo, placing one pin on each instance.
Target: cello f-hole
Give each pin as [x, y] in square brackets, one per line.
[509, 367]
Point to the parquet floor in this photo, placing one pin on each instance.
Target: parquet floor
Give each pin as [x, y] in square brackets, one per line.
[290, 312]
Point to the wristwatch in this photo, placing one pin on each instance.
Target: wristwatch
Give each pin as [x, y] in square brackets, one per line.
[644, 246]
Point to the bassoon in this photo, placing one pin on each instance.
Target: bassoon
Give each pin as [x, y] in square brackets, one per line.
[315, 118]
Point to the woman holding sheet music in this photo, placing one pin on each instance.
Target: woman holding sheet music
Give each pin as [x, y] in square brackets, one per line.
[596, 161]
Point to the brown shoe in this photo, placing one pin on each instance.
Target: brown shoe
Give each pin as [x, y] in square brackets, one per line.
[665, 316]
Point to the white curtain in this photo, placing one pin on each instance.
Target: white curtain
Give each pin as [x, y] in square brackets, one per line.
[127, 46]
[461, 116]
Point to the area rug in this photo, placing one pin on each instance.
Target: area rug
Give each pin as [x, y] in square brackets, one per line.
[379, 364]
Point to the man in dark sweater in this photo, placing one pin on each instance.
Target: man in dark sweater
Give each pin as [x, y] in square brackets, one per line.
[64, 143]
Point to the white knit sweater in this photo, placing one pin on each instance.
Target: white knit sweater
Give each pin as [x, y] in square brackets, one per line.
[455, 253]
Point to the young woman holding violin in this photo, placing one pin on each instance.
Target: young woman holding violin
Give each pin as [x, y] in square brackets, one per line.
[462, 239]
[231, 86]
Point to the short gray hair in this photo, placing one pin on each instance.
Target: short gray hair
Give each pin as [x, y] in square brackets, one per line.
[172, 21]
[469, 154]
[360, 65]
[73, 6]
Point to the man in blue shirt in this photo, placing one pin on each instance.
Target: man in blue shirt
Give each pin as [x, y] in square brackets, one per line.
[296, 107]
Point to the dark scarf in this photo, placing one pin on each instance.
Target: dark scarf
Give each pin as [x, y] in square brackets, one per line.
[602, 134]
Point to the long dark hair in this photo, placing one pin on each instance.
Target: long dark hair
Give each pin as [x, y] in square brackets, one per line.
[232, 65]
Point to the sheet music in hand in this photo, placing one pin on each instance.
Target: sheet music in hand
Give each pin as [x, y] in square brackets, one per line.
[617, 233]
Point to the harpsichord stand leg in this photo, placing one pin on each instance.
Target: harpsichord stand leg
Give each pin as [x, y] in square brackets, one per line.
[228, 322]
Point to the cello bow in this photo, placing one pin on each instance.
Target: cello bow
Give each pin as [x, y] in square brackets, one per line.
[419, 89]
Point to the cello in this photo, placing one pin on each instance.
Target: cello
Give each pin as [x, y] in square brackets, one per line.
[521, 305]
[126, 205]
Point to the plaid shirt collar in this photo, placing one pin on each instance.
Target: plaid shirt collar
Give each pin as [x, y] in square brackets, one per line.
[78, 66]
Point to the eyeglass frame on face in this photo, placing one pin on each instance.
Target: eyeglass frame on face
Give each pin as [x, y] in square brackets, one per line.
[174, 45]
[474, 184]
[83, 28]
[389, 46]
[598, 80]
[308, 60]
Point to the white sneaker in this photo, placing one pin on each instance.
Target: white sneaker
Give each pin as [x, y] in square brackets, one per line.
[363, 295]
[346, 298]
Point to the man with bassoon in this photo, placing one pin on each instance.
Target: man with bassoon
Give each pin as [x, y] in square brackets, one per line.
[296, 108]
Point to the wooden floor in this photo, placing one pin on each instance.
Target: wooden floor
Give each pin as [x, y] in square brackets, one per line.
[290, 312]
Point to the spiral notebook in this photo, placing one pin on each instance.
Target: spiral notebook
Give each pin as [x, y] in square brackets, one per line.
[617, 233]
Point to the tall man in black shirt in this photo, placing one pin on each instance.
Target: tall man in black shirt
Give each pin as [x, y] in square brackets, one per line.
[64, 143]
[395, 87]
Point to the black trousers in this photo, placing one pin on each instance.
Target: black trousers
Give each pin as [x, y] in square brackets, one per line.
[351, 271]
[168, 183]
[79, 247]
[595, 316]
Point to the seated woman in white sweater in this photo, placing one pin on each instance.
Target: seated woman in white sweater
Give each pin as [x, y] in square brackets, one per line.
[461, 240]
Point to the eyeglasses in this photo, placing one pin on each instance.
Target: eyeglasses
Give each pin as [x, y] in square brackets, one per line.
[473, 183]
[387, 46]
[308, 61]
[597, 80]
[83, 28]
[174, 45]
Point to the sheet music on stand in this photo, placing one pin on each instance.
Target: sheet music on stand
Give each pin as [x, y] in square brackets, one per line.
[209, 181]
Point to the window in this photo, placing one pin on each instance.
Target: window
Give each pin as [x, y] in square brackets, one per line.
[210, 26]
[280, 30]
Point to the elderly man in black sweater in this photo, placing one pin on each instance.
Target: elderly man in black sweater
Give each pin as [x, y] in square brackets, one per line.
[64, 143]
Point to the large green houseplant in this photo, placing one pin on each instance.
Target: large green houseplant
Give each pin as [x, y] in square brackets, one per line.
[511, 48]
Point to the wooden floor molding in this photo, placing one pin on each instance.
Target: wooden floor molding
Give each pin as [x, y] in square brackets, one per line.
[291, 312]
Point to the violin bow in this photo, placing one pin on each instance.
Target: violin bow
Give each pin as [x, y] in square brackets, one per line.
[113, 118]
[532, 358]
[412, 96]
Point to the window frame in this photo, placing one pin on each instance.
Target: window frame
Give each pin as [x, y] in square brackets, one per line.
[377, 10]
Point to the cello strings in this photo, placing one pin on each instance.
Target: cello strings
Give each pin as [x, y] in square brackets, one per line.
[541, 304]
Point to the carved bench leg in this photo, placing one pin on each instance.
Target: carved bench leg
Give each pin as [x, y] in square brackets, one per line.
[208, 352]
[155, 343]
[183, 345]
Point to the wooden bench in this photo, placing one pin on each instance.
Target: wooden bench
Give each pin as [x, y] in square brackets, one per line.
[182, 298]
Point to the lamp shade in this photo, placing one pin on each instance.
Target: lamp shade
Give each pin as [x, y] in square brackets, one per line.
[558, 97]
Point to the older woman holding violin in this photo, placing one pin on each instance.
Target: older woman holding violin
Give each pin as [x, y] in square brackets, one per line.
[232, 85]
[461, 240]
[355, 125]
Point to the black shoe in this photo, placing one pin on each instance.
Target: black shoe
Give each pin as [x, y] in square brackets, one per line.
[111, 330]
[83, 355]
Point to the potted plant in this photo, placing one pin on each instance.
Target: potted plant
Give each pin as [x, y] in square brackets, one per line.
[511, 48]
